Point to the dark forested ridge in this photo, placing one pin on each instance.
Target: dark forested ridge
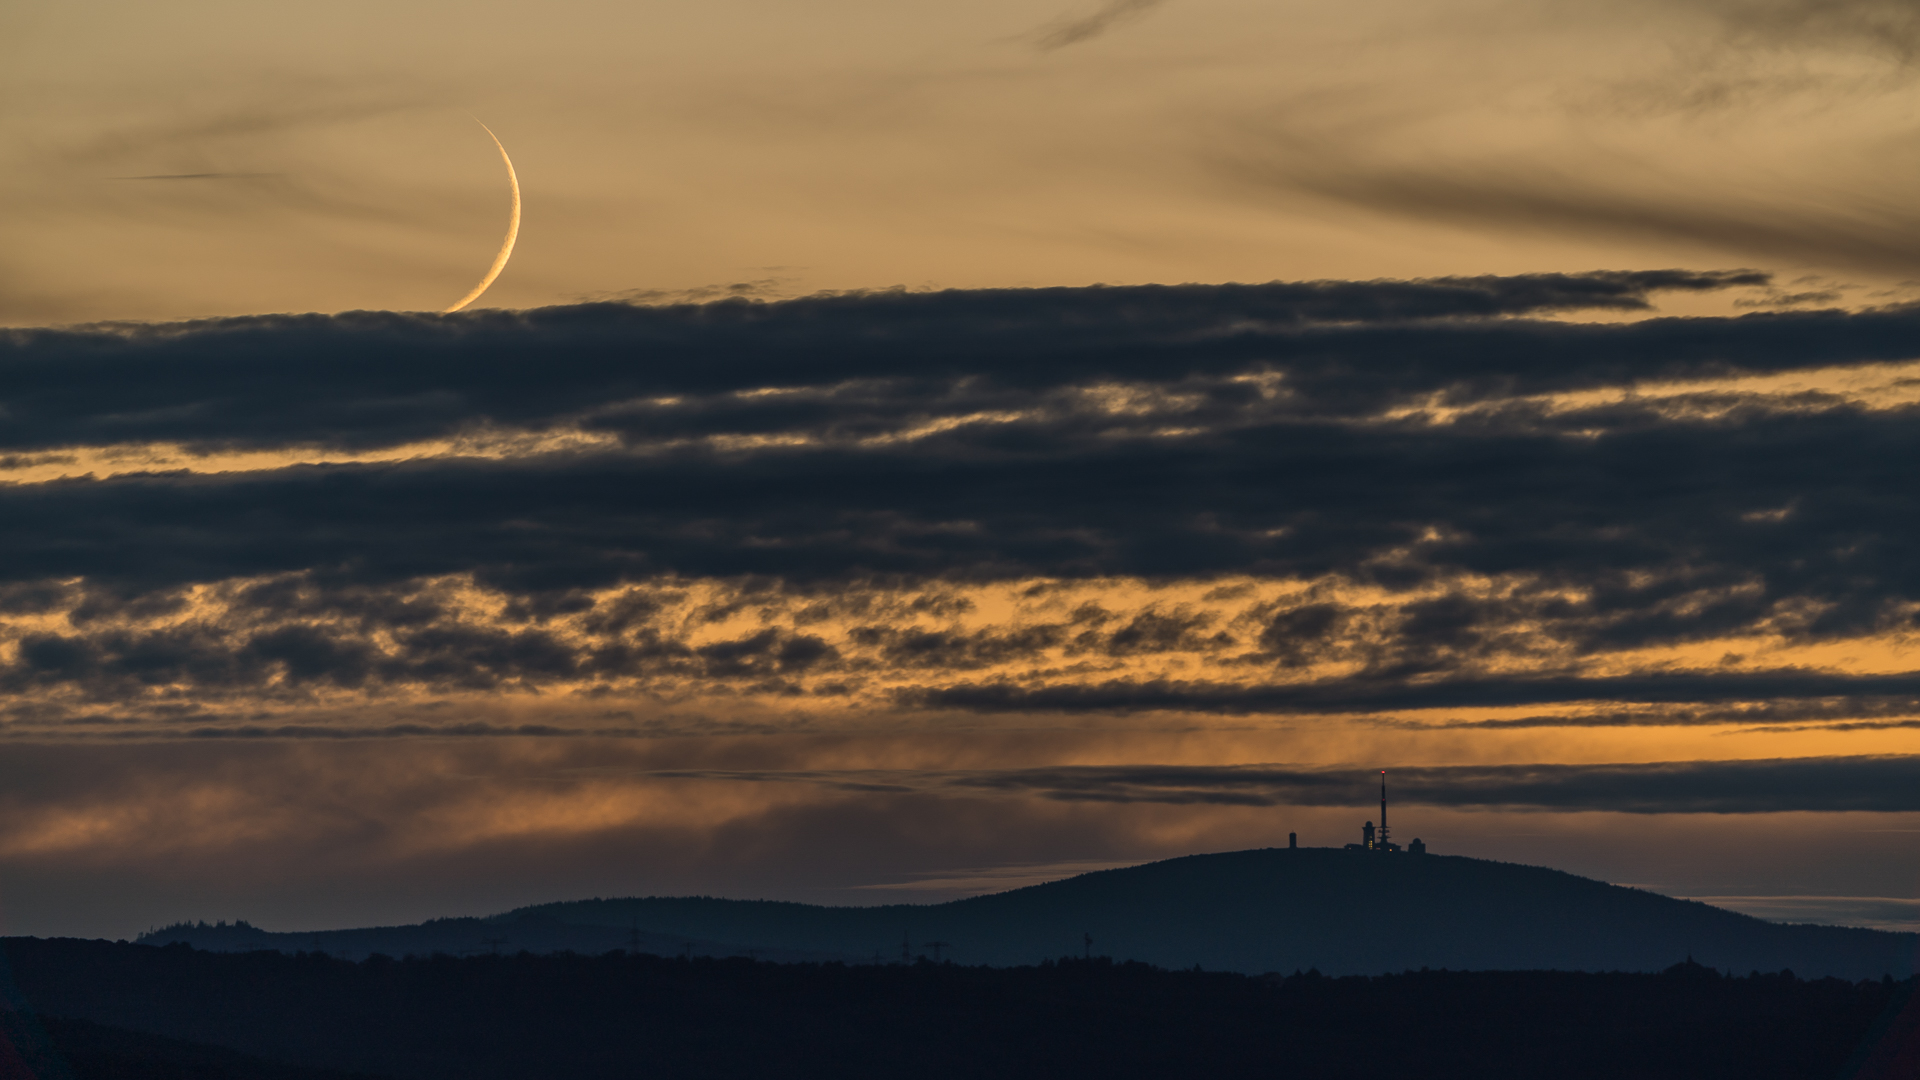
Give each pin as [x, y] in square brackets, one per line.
[1342, 912]
[529, 1017]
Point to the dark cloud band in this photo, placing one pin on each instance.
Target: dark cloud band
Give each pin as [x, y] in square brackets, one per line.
[1888, 784]
[896, 441]
[1661, 530]
[1858, 692]
[376, 379]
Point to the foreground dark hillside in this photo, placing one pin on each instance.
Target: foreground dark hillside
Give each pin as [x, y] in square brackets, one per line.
[1342, 912]
[582, 1018]
[55, 1048]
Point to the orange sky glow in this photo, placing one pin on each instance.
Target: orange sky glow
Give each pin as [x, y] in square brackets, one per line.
[920, 449]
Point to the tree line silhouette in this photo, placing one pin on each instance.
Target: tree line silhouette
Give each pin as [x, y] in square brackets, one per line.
[99, 1006]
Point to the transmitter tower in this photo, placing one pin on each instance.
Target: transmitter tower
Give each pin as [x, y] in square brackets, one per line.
[1378, 838]
[1381, 836]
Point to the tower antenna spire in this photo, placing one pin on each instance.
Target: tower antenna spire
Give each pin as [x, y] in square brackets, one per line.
[1383, 811]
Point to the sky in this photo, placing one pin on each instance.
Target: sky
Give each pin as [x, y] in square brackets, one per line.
[918, 449]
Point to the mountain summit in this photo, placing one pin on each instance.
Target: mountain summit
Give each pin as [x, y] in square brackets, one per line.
[1338, 911]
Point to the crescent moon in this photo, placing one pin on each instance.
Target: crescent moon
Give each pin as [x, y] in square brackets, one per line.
[513, 230]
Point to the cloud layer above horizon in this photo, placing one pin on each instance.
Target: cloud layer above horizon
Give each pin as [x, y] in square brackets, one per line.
[1309, 499]
[1118, 571]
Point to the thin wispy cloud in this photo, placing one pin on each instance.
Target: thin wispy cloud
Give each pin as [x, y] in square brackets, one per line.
[1088, 27]
[200, 176]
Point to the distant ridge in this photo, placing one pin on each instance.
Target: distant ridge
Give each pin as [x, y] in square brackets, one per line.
[529, 930]
[1341, 912]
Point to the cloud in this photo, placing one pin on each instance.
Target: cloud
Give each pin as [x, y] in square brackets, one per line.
[278, 105]
[1086, 28]
[1886, 26]
[369, 379]
[311, 648]
[768, 288]
[1880, 784]
[1473, 510]
[200, 176]
[1665, 528]
[1858, 692]
[1870, 235]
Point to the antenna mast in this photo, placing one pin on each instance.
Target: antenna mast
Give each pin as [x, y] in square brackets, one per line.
[1381, 844]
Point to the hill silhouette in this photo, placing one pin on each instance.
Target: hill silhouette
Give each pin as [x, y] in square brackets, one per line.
[530, 930]
[1280, 910]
